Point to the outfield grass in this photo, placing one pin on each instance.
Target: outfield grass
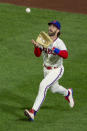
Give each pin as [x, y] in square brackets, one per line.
[21, 72]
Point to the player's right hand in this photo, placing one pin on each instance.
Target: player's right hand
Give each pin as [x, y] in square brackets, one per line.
[35, 43]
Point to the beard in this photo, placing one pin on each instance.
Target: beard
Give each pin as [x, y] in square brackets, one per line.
[51, 33]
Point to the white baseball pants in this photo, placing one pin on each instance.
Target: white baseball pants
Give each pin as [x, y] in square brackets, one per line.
[50, 80]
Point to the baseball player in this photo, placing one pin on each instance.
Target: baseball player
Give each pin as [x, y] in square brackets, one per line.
[53, 69]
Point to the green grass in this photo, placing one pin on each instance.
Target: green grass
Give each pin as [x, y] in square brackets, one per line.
[21, 72]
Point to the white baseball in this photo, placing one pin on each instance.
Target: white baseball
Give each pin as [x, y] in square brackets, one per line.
[28, 10]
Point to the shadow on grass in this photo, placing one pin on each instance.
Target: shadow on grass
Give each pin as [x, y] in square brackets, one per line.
[15, 112]
[58, 107]
[10, 109]
[24, 120]
[13, 105]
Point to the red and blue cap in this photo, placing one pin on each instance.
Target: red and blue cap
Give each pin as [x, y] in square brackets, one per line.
[56, 23]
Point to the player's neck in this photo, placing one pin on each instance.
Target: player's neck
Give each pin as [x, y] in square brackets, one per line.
[54, 38]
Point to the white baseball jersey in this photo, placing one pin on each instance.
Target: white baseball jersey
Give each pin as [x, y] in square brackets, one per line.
[49, 57]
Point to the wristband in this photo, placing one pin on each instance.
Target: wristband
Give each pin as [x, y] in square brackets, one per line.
[56, 50]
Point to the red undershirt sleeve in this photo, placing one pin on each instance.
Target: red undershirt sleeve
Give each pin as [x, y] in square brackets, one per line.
[37, 51]
[63, 54]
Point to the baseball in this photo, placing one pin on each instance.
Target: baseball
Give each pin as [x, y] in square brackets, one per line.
[28, 10]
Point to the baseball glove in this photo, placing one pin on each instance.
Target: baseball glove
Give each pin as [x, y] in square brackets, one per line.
[44, 39]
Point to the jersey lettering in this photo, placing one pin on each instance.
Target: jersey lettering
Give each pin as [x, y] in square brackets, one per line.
[48, 51]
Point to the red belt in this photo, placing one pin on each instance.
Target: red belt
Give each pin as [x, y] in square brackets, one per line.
[49, 67]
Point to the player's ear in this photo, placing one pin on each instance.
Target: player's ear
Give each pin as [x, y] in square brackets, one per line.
[58, 31]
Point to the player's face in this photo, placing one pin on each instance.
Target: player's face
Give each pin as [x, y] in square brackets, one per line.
[52, 30]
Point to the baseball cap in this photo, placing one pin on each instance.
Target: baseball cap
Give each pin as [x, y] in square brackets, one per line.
[56, 23]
